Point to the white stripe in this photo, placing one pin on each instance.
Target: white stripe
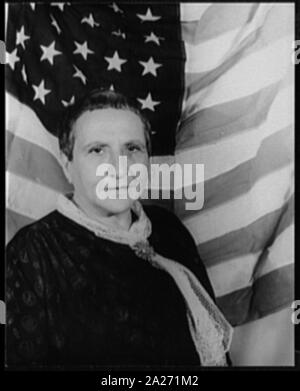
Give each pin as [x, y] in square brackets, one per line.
[228, 153]
[267, 195]
[232, 275]
[22, 121]
[251, 74]
[209, 54]
[237, 273]
[29, 198]
[191, 11]
[281, 252]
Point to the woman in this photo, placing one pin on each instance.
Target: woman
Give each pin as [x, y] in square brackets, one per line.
[104, 281]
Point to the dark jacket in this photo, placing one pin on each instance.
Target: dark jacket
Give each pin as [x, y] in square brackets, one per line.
[77, 300]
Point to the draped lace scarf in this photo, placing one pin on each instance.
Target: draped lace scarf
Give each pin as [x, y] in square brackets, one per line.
[210, 331]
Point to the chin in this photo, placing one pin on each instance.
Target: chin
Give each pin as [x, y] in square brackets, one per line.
[115, 206]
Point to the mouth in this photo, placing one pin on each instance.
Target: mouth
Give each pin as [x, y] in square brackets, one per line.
[118, 188]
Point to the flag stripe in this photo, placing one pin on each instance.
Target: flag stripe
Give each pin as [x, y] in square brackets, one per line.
[268, 294]
[197, 60]
[35, 163]
[240, 80]
[269, 194]
[215, 21]
[274, 153]
[280, 253]
[272, 25]
[226, 119]
[190, 11]
[14, 222]
[274, 288]
[29, 198]
[244, 145]
[249, 239]
[23, 122]
[205, 82]
[238, 273]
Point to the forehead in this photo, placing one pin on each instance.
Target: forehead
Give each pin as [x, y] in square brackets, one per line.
[107, 125]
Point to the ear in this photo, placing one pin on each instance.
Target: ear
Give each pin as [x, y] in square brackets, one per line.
[66, 165]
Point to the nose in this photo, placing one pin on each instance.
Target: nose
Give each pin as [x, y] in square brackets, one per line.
[119, 163]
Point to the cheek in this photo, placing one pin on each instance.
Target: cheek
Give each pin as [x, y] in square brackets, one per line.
[85, 171]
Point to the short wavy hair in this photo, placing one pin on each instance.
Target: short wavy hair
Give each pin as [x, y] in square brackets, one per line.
[96, 99]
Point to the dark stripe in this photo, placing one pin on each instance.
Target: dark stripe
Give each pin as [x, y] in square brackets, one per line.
[198, 81]
[275, 152]
[250, 239]
[270, 293]
[271, 31]
[223, 120]
[35, 163]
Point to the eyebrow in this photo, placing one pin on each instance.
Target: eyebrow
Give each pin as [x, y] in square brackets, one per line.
[93, 143]
[142, 143]
[103, 144]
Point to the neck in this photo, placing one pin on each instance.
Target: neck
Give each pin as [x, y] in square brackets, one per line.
[121, 220]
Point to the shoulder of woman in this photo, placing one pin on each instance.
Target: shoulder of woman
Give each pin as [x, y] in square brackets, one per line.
[30, 239]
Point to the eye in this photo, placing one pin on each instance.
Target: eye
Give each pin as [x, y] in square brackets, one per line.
[134, 147]
[96, 150]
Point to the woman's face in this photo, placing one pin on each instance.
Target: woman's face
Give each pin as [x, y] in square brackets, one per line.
[102, 136]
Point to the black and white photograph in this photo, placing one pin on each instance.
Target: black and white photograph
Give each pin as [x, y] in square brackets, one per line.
[149, 184]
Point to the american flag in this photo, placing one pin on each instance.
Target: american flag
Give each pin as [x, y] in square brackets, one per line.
[216, 82]
[57, 51]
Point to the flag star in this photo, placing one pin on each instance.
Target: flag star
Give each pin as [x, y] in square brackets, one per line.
[55, 25]
[90, 20]
[119, 34]
[21, 37]
[23, 72]
[49, 52]
[66, 103]
[152, 38]
[32, 5]
[115, 62]
[82, 49]
[12, 58]
[150, 66]
[40, 92]
[148, 103]
[59, 5]
[148, 17]
[116, 8]
[112, 88]
[80, 75]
